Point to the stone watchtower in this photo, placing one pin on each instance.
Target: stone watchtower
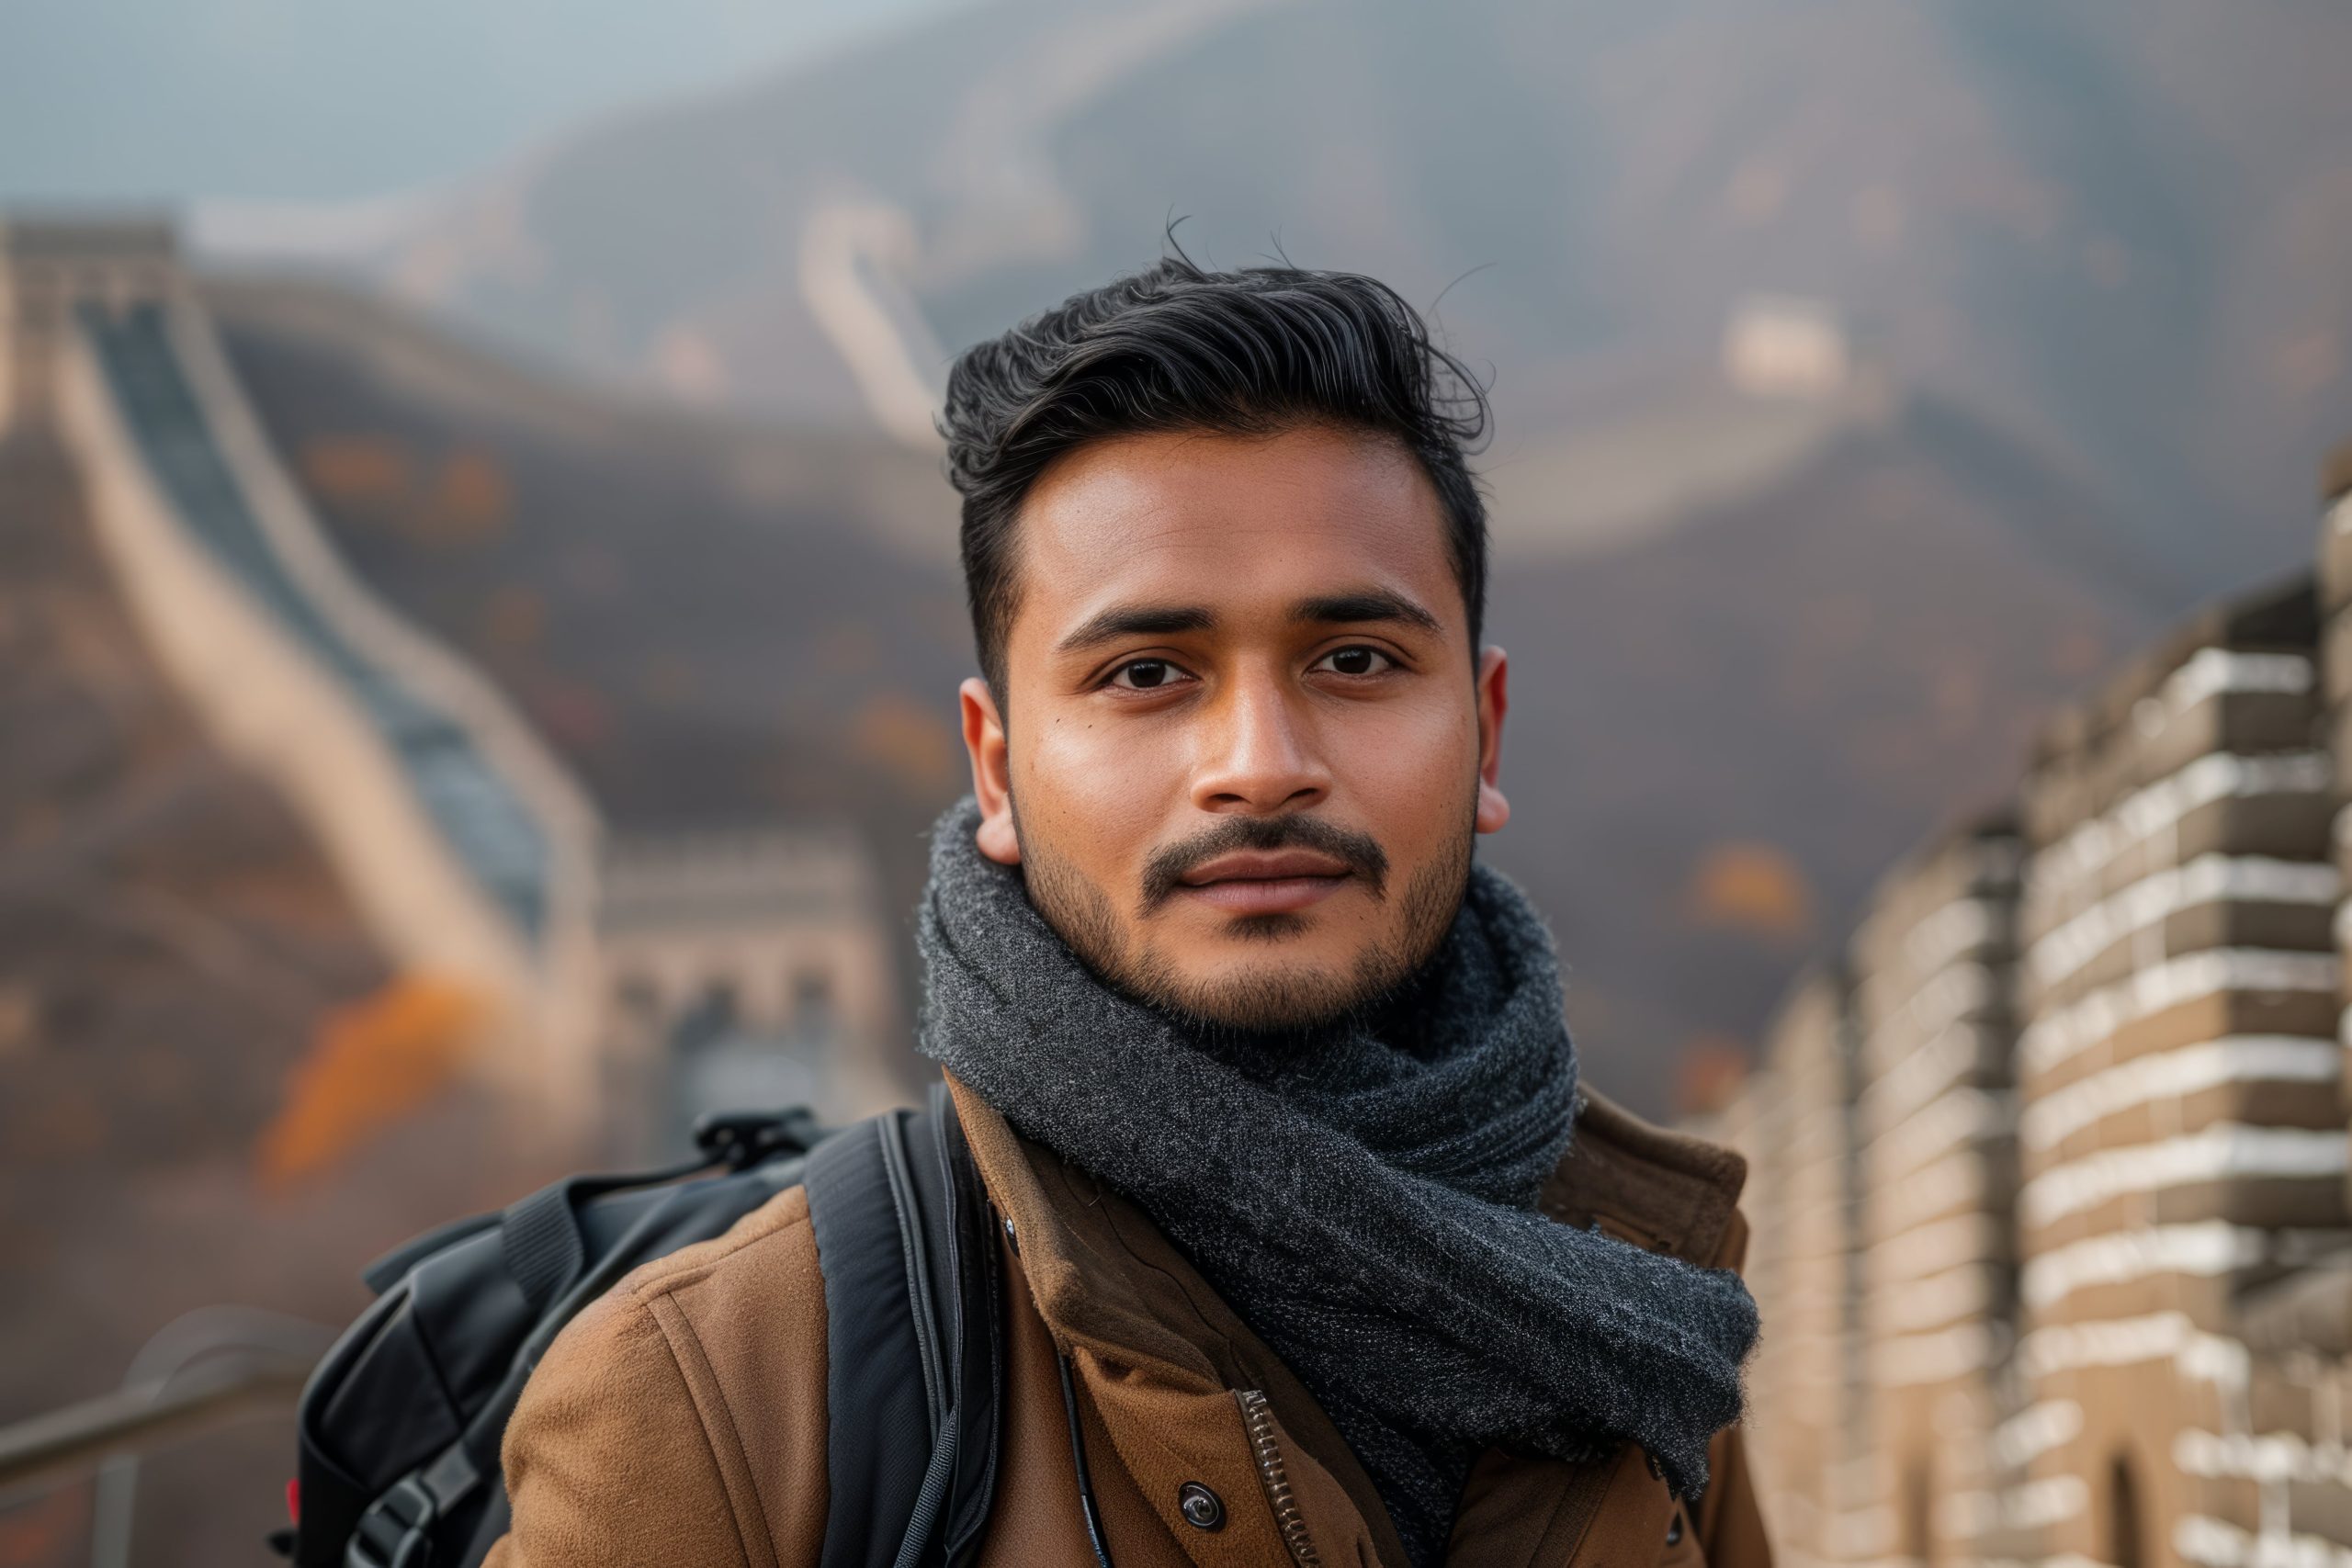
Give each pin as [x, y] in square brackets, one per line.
[2179, 1127]
[47, 264]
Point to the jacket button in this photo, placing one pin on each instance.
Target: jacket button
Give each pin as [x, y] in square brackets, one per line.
[1200, 1506]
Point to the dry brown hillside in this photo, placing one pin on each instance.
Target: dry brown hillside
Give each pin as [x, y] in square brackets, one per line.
[187, 1000]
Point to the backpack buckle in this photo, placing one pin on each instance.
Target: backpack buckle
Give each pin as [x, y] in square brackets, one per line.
[396, 1530]
[392, 1533]
[741, 1139]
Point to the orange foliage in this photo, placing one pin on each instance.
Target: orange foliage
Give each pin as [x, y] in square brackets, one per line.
[515, 617]
[19, 1016]
[572, 713]
[355, 469]
[1708, 1074]
[668, 679]
[909, 739]
[471, 501]
[43, 1529]
[1751, 887]
[2077, 655]
[369, 1065]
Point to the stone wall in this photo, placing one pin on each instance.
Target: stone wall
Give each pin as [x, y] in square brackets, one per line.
[1933, 968]
[770, 937]
[273, 705]
[1804, 1267]
[2093, 1128]
[460, 838]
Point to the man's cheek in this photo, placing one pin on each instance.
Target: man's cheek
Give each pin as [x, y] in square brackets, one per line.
[1110, 765]
[1100, 800]
[1400, 775]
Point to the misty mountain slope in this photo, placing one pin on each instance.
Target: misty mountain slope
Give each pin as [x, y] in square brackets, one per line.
[703, 653]
[860, 480]
[696, 644]
[179, 964]
[144, 878]
[2129, 230]
[2272, 124]
[1719, 741]
[1721, 731]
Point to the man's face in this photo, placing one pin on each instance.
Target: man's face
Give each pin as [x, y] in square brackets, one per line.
[1248, 742]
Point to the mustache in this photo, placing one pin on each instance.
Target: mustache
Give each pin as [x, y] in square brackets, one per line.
[1164, 872]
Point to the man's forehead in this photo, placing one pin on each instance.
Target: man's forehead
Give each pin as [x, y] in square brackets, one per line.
[1214, 517]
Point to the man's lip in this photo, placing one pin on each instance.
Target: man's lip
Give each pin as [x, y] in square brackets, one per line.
[1265, 865]
[1266, 882]
[1265, 895]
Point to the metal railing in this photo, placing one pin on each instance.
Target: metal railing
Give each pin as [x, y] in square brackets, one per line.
[212, 1366]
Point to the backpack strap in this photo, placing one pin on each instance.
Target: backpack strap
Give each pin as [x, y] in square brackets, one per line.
[913, 1372]
[978, 1365]
[546, 1250]
[555, 1251]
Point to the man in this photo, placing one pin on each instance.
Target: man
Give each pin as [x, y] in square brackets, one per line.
[1314, 1253]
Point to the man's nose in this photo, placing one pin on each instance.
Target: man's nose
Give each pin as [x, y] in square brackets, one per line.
[1260, 754]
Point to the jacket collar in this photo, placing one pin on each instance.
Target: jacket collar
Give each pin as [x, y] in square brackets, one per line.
[1103, 1276]
[1109, 1279]
[1665, 1190]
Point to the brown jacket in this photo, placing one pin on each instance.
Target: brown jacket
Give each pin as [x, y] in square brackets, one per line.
[682, 1419]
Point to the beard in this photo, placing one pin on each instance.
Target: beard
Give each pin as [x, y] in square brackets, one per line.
[1273, 993]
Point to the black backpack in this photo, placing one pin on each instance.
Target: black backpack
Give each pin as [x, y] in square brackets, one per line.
[400, 1425]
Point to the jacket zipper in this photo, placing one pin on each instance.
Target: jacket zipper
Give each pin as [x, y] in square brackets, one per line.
[1086, 1505]
[1258, 1417]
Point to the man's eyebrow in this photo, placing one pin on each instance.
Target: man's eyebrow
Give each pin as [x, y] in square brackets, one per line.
[1136, 620]
[1364, 604]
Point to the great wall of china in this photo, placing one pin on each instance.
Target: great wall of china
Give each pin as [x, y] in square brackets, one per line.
[2048, 1168]
[472, 855]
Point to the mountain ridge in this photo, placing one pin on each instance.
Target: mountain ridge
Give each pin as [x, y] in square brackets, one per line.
[2132, 237]
[1778, 691]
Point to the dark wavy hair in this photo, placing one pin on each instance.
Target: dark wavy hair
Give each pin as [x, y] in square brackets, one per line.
[1175, 348]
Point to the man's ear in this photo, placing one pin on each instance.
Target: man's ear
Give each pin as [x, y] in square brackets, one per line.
[1494, 703]
[991, 771]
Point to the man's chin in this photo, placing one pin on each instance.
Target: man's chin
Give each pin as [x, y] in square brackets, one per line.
[1298, 995]
[1272, 971]
[1286, 929]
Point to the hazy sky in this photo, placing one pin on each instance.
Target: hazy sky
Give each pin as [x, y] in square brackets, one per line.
[271, 100]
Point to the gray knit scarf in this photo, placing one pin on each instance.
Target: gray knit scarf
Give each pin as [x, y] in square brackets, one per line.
[1364, 1198]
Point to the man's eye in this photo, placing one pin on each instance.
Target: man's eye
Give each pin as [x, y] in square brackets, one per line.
[1147, 675]
[1356, 661]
